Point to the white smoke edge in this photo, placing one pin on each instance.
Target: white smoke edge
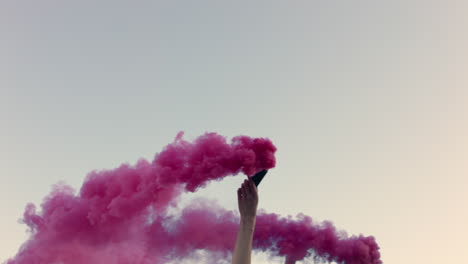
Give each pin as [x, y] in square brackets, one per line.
[258, 257]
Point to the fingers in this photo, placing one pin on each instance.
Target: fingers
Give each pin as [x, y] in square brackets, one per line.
[247, 190]
[252, 188]
[242, 191]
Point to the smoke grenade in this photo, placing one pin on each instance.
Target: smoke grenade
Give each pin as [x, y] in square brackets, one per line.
[258, 177]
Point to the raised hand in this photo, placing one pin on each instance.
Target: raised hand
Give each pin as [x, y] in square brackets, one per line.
[247, 199]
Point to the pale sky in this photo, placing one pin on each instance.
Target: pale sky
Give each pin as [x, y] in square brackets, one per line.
[367, 102]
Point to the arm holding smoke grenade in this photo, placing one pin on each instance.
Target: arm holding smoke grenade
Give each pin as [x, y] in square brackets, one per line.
[247, 198]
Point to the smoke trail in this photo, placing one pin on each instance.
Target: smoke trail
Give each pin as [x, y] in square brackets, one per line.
[202, 225]
[120, 215]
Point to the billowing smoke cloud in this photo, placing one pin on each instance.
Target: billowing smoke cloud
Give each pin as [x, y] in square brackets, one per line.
[122, 215]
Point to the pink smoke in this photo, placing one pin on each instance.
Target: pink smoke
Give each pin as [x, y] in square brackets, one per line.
[120, 215]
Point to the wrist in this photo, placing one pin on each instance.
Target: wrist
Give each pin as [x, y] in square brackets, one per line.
[247, 221]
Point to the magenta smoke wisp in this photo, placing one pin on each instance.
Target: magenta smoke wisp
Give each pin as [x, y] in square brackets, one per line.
[122, 215]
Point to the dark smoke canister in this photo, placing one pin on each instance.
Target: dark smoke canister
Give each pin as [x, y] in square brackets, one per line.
[258, 177]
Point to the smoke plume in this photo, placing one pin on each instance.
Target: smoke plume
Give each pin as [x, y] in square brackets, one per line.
[121, 215]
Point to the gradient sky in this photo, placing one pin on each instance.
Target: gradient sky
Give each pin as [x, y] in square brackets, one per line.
[367, 102]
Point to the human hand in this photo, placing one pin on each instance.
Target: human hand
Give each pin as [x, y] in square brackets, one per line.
[247, 199]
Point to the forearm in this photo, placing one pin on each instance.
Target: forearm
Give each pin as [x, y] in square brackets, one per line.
[243, 248]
